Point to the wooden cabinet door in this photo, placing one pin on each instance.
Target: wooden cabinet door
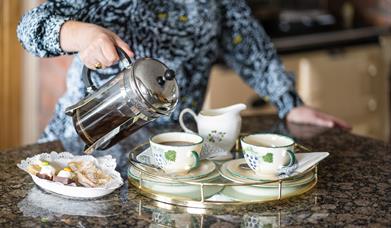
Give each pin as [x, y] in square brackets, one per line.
[351, 84]
[10, 74]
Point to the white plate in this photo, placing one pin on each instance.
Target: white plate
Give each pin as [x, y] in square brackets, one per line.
[300, 180]
[106, 163]
[135, 174]
[177, 189]
[305, 161]
[206, 167]
[249, 193]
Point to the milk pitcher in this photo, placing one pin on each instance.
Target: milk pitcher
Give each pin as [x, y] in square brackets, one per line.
[220, 127]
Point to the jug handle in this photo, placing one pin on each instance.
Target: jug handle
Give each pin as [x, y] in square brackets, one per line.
[86, 72]
[183, 126]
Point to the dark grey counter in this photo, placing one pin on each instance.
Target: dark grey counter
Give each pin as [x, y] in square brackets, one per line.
[354, 189]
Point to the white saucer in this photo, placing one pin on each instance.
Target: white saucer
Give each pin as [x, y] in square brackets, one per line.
[231, 170]
[298, 180]
[135, 174]
[177, 189]
[206, 167]
[234, 169]
[253, 193]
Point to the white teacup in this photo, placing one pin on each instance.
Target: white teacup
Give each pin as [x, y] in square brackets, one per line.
[266, 153]
[176, 152]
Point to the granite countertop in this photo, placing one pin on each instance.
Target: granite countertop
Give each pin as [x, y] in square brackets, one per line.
[353, 189]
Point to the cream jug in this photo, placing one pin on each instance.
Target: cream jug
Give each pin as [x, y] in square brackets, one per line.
[220, 127]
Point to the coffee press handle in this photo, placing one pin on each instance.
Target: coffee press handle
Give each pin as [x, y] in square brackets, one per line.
[86, 72]
[181, 122]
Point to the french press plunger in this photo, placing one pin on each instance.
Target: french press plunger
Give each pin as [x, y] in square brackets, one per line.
[143, 91]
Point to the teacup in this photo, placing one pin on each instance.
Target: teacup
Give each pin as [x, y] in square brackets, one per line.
[266, 153]
[176, 152]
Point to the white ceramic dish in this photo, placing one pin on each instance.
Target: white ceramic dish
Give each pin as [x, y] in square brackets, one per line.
[270, 191]
[250, 193]
[231, 169]
[106, 163]
[205, 168]
[177, 189]
[225, 172]
[135, 174]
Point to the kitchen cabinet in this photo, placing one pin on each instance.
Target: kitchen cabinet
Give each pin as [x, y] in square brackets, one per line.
[351, 83]
[11, 90]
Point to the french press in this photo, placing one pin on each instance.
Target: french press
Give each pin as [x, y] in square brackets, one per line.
[143, 91]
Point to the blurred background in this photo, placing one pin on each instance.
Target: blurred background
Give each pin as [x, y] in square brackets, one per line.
[339, 50]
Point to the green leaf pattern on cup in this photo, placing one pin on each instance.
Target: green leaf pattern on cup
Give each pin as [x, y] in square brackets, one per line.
[268, 158]
[170, 155]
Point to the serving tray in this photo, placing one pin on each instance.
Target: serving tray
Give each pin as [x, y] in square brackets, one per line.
[213, 190]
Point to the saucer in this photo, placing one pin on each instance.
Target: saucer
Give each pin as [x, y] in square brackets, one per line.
[255, 193]
[299, 179]
[304, 162]
[174, 189]
[135, 174]
[206, 167]
[234, 169]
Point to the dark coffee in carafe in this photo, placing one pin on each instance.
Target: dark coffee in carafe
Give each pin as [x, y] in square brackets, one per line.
[144, 91]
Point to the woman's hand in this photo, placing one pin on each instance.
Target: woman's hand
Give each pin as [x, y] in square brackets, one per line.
[307, 115]
[95, 44]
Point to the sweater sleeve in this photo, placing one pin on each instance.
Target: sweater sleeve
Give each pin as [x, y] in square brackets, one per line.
[39, 29]
[248, 50]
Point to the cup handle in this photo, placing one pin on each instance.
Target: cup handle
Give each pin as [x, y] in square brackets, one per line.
[197, 159]
[183, 126]
[292, 158]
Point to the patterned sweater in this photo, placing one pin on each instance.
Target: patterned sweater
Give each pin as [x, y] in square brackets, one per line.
[187, 35]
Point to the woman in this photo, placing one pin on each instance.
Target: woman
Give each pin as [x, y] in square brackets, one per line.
[186, 35]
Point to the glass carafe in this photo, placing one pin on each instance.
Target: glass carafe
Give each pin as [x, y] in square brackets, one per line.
[145, 90]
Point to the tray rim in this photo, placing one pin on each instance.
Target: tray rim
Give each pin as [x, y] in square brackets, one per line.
[207, 204]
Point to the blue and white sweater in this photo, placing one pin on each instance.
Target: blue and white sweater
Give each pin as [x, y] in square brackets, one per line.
[187, 35]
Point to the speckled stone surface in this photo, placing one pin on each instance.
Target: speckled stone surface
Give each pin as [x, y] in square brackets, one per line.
[353, 190]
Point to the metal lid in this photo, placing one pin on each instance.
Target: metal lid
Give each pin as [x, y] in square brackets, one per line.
[156, 84]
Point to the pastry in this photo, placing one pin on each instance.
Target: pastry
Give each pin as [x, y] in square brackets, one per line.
[47, 171]
[33, 169]
[88, 174]
[65, 176]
